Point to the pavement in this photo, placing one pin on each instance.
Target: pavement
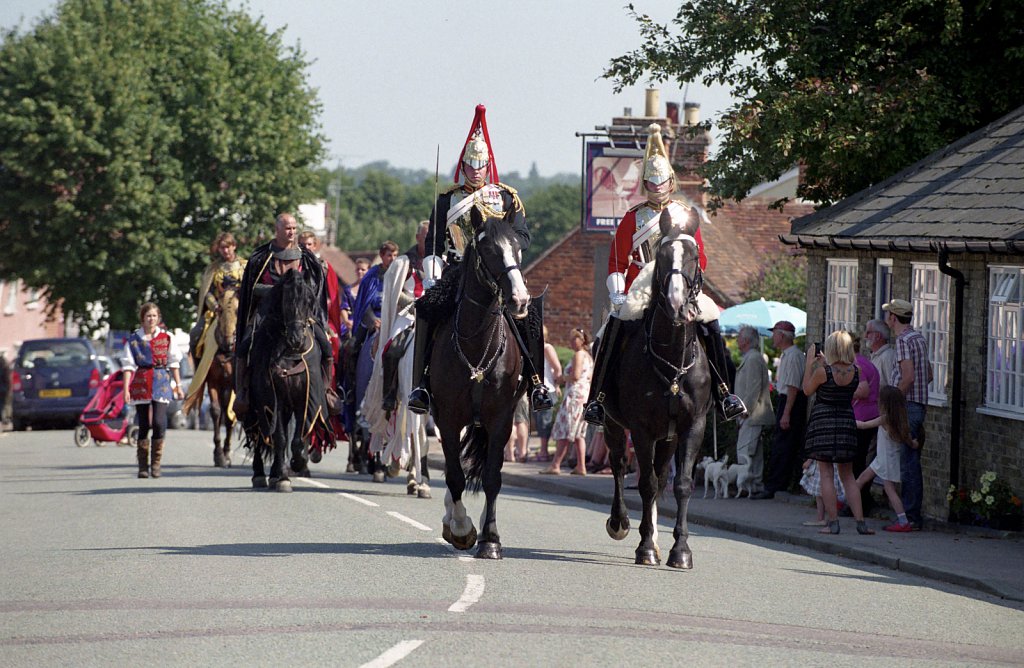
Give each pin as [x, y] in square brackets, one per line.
[985, 560]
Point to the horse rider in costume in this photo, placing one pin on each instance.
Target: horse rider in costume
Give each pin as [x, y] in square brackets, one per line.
[222, 274]
[633, 248]
[450, 221]
[266, 267]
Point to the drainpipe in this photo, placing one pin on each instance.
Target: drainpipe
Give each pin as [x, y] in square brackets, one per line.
[958, 346]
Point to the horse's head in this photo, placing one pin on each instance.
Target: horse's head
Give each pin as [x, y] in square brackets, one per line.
[497, 261]
[677, 272]
[297, 308]
[227, 320]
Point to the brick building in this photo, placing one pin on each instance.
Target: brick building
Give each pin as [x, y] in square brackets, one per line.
[947, 234]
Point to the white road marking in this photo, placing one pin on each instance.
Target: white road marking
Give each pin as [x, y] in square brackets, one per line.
[358, 499]
[314, 483]
[460, 557]
[394, 655]
[408, 520]
[474, 590]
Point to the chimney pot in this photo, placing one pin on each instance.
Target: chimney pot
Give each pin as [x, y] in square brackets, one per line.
[653, 103]
[691, 112]
[672, 112]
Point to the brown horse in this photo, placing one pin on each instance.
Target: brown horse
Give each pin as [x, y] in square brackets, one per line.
[220, 379]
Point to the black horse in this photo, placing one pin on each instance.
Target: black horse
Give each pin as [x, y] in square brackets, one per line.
[481, 363]
[661, 392]
[287, 384]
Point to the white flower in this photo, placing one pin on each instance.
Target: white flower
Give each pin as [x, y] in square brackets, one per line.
[990, 500]
[975, 497]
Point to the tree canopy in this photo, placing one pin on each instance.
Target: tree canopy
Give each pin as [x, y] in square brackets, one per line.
[131, 133]
[854, 90]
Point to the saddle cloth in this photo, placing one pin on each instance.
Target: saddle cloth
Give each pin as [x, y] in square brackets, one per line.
[639, 296]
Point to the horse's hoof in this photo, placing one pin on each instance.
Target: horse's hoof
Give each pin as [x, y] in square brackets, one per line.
[619, 534]
[283, 486]
[218, 458]
[350, 468]
[423, 492]
[680, 559]
[410, 487]
[464, 542]
[378, 476]
[315, 455]
[259, 482]
[227, 462]
[647, 557]
[394, 468]
[446, 533]
[489, 551]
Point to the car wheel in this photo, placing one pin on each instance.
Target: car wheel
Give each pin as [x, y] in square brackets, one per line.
[81, 436]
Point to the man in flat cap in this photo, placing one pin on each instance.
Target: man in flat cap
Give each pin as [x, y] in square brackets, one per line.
[911, 373]
[790, 414]
[266, 267]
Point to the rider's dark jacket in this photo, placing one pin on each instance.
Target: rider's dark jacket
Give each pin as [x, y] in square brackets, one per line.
[260, 275]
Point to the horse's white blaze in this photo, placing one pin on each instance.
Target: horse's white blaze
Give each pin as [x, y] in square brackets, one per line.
[676, 285]
[473, 592]
[394, 655]
[520, 295]
[408, 520]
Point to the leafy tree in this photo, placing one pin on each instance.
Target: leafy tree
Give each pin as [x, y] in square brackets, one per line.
[131, 132]
[782, 278]
[551, 213]
[854, 90]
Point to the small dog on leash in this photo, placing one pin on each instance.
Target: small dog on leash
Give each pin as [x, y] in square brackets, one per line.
[716, 473]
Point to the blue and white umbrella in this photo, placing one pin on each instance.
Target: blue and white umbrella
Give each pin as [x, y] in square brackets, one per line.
[763, 315]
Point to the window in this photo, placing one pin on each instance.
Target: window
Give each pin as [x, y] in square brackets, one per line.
[841, 297]
[1004, 387]
[929, 295]
[11, 303]
[32, 301]
[883, 285]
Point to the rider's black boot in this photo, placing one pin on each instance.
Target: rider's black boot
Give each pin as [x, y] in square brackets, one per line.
[594, 412]
[540, 398]
[732, 406]
[419, 398]
[241, 405]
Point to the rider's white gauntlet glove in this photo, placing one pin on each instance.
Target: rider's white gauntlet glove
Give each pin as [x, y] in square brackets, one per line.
[432, 268]
[616, 288]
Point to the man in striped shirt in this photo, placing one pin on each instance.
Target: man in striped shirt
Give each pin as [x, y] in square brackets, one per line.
[911, 373]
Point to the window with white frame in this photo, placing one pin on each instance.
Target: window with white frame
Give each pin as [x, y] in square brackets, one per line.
[11, 303]
[929, 295]
[1004, 389]
[32, 300]
[883, 285]
[841, 296]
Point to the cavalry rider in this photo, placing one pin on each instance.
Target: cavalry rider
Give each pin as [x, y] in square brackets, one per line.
[450, 224]
[633, 247]
[223, 273]
[266, 267]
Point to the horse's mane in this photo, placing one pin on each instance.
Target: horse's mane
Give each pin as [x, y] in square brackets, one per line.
[499, 230]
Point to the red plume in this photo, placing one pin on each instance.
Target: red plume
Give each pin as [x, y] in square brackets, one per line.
[479, 121]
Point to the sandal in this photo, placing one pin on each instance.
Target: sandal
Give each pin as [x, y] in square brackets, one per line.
[831, 528]
[549, 472]
[862, 529]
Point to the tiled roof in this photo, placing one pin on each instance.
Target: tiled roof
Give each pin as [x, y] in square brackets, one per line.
[971, 189]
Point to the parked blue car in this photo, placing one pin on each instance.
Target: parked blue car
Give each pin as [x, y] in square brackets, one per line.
[52, 381]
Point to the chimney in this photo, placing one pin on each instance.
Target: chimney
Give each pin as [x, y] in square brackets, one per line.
[672, 112]
[691, 112]
[653, 103]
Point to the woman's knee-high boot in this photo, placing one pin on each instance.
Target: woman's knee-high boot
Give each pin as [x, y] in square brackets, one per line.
[142, 451]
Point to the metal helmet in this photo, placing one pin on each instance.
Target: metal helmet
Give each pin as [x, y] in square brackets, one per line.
[657, 167]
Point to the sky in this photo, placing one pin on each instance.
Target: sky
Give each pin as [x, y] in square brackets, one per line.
[400, 79]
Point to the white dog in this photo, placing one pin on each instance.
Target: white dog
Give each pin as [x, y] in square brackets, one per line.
[717, 473]
[739, 475]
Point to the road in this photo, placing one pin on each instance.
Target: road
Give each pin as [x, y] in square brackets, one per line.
[195, 568]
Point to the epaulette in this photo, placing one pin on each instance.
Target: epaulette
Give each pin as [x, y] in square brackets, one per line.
[453, 188]
[637, 207]
[516, 202]
[507, 187]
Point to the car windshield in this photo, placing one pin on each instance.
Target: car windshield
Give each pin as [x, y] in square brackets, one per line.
[53, 354]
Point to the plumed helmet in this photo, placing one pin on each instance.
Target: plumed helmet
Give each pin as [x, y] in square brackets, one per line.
[476, 152]
[657, 168]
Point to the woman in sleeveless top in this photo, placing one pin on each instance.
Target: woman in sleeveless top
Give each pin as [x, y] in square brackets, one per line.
[831, 430]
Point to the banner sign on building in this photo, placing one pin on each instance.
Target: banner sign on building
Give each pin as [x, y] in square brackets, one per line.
[613, 185]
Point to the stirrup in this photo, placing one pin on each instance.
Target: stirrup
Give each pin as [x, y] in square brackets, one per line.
[540, 400]
[594, 413]
[732, 407]
[419, 401]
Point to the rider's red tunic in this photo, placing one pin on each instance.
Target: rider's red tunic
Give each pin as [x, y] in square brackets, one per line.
[624, 255]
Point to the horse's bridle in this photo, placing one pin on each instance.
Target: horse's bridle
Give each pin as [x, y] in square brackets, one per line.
[695, 283]
[485, 275]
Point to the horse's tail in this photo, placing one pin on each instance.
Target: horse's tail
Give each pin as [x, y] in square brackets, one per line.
[474, 446]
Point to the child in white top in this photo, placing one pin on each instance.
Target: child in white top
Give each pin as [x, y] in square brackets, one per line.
[894, 431]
